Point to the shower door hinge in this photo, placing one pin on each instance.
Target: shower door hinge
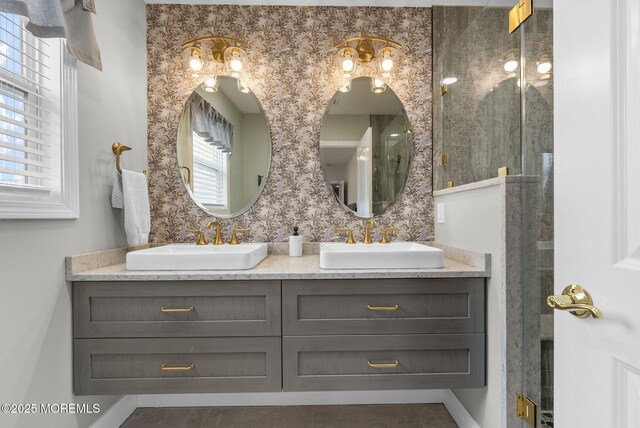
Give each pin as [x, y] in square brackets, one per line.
[520, 13]
[527, 410]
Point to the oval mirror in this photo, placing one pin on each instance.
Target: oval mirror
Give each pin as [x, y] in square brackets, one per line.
[224, 147]
[365, 148]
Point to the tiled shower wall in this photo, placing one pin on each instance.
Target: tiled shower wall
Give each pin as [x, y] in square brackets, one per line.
[477, 122]
[293, 74]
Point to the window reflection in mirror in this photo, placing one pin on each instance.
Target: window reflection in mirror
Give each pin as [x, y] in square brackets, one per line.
[223, 148]
[365, 148]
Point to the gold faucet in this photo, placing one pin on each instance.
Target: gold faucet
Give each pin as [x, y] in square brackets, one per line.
[385, 231]
[201, 240]
[218, 239]
[234, 237]
[367, 232]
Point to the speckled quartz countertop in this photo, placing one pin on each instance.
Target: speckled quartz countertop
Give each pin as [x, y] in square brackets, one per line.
[109, 266]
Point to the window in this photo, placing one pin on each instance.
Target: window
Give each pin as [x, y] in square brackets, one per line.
[209, 173]
[38, 164]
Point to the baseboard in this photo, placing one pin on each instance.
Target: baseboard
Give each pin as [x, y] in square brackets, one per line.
[118, 413]
[457, 411]
[293, 398]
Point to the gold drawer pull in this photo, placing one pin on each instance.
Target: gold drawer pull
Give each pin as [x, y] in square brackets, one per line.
[384, 308]
[189, 309]
[392, 365]
[167, 368]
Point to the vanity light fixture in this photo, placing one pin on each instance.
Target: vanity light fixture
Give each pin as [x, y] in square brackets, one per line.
[378, 86]
[543, 64]
[211, 84]
[346, 86]
[195, 60]
[242, 87]
[511, 60]
[224, 50]
[358, 51]
[510, 66]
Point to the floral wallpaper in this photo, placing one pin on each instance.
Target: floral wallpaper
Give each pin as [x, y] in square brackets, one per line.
[293, 74]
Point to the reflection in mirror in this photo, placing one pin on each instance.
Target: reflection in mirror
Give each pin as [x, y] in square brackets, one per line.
[365, 148]
[224, 147]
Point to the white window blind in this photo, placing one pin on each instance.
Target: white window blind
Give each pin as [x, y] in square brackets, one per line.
[28, 122]
[38, 125]
[209, 173]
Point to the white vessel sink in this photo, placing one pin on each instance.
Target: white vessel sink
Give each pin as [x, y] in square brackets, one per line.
[406, 255]
[198, 257]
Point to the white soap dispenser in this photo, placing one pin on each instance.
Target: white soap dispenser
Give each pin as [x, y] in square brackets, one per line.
[295, 244]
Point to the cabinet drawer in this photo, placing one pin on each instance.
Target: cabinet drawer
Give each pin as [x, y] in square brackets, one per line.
[383, 362]
[155, 366]
[176, 309]
[383, 306]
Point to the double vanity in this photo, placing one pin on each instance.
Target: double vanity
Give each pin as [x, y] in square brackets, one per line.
[285, 324]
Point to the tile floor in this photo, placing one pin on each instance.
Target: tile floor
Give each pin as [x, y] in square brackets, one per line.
[349, 416]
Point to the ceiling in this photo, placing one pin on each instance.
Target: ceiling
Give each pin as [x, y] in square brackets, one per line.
[361, 100]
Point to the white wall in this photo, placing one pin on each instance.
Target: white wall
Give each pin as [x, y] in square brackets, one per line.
[481, 231]
[494, 216]
[35, 320]
[257, 144]
[344, 127]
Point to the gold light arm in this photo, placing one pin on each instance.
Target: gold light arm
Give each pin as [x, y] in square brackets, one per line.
[167, 368]
[214, 38]
[368, 39]
[177, 310]
[391, 365]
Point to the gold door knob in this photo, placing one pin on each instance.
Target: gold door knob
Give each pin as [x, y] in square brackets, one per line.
[576, 300]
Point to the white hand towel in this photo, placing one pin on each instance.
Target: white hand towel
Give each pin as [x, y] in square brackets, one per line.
[117, 198]
[131, 192]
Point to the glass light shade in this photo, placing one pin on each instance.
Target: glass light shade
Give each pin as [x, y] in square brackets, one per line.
[346, 86]
[348, 58]
[195, 59]
[242, 87]
[386, 61]
[211, 84]
[543, 67]
[510, 65]
[378, 86]
[449, 80]
[235, 58]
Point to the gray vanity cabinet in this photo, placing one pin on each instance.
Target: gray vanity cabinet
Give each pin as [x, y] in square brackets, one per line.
[383, 334]
[143, 337]
[135, 337]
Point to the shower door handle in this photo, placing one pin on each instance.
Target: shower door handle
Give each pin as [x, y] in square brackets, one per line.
[576, 300]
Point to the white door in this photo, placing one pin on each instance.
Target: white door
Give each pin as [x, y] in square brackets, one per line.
[597, 210]
[364, 154]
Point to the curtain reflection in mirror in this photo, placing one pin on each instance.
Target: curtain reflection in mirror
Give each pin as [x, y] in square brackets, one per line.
[210, 143]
